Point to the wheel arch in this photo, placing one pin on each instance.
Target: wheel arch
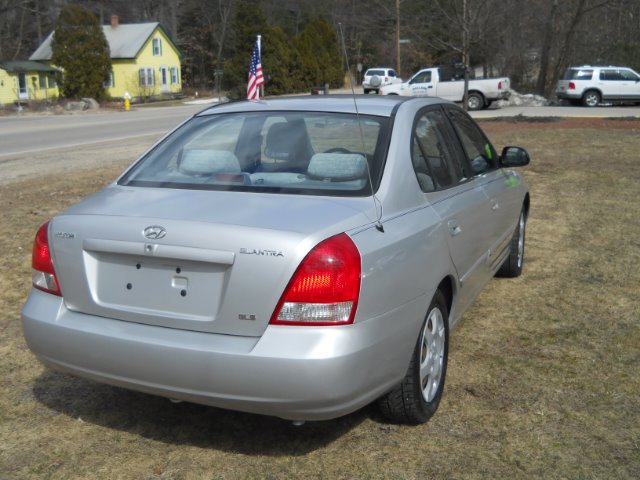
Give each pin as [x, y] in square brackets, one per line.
[525, 205]
[447, 287]
[592, 89]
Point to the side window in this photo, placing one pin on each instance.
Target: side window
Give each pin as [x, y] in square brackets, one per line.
[610, 75]
[424, 77]
[629, 75]
[434, 162]
[480, 153]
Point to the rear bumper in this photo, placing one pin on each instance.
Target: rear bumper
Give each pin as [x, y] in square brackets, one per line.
[296, 373]
[568, 95]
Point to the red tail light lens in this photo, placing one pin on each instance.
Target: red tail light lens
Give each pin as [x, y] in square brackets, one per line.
[43, 274]
[325, 288]
[499, 85]
[572, 86]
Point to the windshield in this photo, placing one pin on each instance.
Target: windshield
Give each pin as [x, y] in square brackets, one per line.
[294, 152]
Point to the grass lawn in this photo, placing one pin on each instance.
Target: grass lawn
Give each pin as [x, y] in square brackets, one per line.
[543, 379]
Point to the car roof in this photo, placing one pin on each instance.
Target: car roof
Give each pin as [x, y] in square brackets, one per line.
[377, 105]
[598, 66]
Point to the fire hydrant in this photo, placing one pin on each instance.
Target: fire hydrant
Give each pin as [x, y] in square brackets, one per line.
[127, 101]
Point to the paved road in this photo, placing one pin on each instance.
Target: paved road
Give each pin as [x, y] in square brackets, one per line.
[598, 112]
[33, 133]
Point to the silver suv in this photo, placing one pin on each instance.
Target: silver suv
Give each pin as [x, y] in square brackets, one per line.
[591, 85]
[374, 78]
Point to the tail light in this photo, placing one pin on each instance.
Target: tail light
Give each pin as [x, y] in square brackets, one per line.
[43, 275]
[572, 86]
[499, 85]
[325, 288]
[386, 79]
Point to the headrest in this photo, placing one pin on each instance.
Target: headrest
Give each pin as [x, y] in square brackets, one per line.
[207, 162]
[288, 141]
[338, 166]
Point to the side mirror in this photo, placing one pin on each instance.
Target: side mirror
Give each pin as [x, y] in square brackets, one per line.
[514, 157]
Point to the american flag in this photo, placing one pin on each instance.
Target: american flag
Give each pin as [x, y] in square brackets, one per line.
[255, 74]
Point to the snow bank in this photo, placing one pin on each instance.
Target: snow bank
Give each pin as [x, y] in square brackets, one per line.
[520, 100]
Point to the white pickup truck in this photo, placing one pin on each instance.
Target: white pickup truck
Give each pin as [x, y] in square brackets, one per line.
[434, 82]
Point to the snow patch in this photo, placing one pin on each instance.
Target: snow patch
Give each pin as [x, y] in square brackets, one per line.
[523, 100]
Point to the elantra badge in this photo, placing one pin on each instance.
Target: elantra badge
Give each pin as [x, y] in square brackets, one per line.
[154, 232]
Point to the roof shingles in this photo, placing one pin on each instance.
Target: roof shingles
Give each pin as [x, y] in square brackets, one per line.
[125, 41]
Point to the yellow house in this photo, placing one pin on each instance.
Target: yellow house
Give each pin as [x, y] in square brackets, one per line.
[145, 61]
[21, 81]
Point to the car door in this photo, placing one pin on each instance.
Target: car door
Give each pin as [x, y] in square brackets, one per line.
[498, 184]
[457, 198]
[619, 84]
[421, 85]
[630, 84]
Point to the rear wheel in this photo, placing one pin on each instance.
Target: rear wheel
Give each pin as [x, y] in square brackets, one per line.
[512, 266]
[417, 398]
[366, 91]
[475, 101]
[591, 99]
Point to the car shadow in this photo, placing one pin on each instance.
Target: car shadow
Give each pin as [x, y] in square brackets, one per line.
[185, 423]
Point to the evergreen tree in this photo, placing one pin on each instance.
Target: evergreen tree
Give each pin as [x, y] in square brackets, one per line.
[80, 48]
[249, 22]
[281, 63]
[320, 53]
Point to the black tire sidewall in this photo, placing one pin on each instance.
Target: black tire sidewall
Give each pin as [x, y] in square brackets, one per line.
[427, 409]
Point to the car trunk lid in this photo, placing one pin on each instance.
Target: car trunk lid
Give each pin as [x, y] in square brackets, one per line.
[196, 260]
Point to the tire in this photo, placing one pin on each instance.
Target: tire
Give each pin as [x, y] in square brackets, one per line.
[512, 266]
[475, 101]
[591, 98]
[366, 91]
[416, 399]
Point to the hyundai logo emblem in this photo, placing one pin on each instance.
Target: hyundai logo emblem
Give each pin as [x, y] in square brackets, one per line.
[154, 232]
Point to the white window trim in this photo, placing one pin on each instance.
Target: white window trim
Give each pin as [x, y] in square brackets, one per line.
[156, 42]
[146, 77]
[174, 74]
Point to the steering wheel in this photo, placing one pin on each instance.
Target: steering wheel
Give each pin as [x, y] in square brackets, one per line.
[338, 150]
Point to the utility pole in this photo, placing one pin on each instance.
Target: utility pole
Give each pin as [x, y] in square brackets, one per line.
[465, 53]
[398, 37]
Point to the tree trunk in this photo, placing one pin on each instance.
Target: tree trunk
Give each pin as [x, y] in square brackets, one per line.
[547, 41]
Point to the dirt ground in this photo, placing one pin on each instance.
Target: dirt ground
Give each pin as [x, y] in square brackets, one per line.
[543, 370]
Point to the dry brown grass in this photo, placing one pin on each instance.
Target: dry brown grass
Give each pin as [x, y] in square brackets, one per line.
[543, 377]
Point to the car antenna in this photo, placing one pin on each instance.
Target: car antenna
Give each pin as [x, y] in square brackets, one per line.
[378, 225]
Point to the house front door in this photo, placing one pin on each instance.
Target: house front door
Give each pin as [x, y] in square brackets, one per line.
[164, 86]
[23, 88]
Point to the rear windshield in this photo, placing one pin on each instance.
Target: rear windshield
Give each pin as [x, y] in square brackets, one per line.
[293, 152]
[578, 74]
[371, 73]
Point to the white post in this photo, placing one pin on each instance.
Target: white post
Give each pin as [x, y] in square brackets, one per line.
[260, 53]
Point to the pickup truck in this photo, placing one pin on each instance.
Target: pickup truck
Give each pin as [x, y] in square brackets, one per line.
[437, 82]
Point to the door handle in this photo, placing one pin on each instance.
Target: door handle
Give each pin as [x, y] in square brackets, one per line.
[454, 228]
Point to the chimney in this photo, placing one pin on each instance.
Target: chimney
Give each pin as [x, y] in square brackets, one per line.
[114, 21]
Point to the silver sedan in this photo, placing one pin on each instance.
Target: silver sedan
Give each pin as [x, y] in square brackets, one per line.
[295, 257]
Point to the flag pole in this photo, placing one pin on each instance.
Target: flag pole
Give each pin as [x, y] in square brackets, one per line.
[259, 40]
